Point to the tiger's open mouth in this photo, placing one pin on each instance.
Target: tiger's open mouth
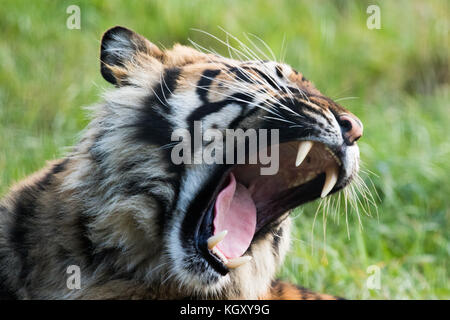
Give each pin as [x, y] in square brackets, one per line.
[247, 203]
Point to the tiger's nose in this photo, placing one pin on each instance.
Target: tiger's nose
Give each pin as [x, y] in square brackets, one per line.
[352, 128]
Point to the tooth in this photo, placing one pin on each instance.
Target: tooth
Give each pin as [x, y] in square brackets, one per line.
[330, 180]
[237, 262]
[215, 239]
[219, 254]
[303, 149]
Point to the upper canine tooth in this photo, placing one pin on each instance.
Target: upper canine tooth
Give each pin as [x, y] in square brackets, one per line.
[237, 262]
[215, 239]
[330, 180]
[303, 149]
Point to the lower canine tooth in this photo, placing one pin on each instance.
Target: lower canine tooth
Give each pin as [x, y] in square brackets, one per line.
[237, 262]
[219, 254]
[303, 150]
[331, 176]
[215, 239]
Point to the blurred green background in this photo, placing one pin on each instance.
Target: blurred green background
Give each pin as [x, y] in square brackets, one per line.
[396, 79]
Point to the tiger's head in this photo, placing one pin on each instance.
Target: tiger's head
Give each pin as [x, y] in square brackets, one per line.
[217, 229]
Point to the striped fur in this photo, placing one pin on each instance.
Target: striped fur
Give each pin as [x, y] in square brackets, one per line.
[121, 210]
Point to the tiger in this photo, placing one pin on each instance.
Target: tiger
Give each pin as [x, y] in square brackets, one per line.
[139, 226]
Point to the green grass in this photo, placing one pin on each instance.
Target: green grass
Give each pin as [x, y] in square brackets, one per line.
[398, 76]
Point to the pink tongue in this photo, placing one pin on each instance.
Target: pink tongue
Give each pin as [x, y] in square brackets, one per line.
[235, 211]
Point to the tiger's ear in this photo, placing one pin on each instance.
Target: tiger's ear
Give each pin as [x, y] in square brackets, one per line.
[119, 47]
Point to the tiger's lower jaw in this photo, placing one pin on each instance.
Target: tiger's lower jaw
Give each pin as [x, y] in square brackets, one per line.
[252, 280]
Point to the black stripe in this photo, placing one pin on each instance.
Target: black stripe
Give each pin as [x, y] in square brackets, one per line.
[201, 112]
[24, 215]
[279, 72]
[153, 125]
[155, 128]
[164, 89]
[47, 180]
[89, 251]
[20, 231]
[299, 105]
[271, 81]
[241, 99]
[86, 246]
[205, 82]
[60, 167]
[243, 76]
[134, 188]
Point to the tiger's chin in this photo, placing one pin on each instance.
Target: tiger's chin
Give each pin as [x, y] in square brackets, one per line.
[237, 240]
